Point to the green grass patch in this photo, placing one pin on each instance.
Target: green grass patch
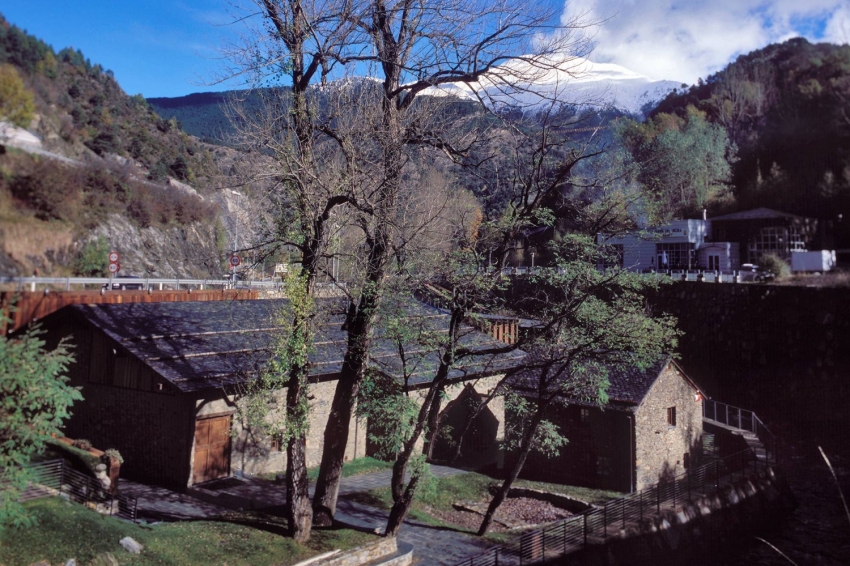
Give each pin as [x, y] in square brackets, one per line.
[356, 467]
[590, 495]
[66, 530]
[440, 493]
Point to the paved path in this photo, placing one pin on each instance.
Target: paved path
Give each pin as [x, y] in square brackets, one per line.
[433, 546]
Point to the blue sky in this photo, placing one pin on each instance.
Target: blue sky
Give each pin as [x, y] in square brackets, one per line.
[170, 48]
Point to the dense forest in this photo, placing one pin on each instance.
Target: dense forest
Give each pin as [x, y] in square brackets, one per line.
[785, 109]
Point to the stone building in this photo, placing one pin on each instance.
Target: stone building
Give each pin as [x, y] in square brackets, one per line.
[164, 383]
[650, 430]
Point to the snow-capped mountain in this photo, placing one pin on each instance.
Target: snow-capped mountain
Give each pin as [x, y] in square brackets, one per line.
[571, 80]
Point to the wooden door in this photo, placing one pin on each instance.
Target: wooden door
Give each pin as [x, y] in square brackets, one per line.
[212, 449]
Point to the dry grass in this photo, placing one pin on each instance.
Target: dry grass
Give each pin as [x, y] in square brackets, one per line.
[31, 241]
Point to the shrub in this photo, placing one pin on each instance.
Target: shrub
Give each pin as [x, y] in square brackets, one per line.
[775, 265]
[17, 104]
[112, 454]
[49, 188]
[104, 142]
[82, 444]
[92, 259]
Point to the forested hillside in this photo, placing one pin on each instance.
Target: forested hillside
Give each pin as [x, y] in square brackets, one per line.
[54, 212]
[787, 109]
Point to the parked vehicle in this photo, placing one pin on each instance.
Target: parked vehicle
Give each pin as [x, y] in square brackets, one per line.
[752, 272]
[127, 283]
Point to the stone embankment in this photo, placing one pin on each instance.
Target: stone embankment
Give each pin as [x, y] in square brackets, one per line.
[689, 532]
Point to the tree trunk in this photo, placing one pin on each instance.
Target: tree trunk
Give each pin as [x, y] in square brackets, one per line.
[401, 505]
[359, 324]
[333, 454]
[524, 449]
[433, 425]
[299, 510]
[360, 330]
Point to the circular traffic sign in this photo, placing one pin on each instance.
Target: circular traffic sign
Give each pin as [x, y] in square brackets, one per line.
[113, 257]
[234, 260]
[114, 267]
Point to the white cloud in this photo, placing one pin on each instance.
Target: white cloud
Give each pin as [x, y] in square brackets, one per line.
[684, 40]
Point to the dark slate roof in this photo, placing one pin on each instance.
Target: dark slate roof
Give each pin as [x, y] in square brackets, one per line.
[210, 344]
[627, 386]
[630, 385]
[755, 214]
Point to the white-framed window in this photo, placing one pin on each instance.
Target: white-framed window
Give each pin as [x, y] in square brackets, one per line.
[776, 240]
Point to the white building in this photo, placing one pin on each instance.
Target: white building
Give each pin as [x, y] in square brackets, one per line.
[681, 244]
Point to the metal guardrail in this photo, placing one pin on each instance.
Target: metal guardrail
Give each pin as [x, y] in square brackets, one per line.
[570, 535]
[56, 478]
[146, 282]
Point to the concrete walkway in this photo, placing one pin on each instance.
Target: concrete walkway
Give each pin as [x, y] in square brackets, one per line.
[433, 546]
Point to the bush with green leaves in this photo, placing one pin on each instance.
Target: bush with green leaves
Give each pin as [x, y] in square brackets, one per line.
[112, 454]
[775, 265]
[92, 259]
[35, 398]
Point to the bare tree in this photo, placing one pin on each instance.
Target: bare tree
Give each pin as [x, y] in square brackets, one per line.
[417, 50]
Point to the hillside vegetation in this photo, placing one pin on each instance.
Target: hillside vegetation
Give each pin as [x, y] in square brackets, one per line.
[785, 107]
[125, 156]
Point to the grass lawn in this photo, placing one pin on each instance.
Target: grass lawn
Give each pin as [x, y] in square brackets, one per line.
[356, 467]
[68, 530]
[440, 493]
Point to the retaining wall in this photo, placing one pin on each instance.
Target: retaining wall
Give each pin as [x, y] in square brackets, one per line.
[697, 531]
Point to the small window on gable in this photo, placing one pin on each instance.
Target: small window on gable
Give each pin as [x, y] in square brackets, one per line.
[585, 415]
[671, 416]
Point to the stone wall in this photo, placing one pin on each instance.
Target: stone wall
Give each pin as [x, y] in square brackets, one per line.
[781, 351]
[367, 553]
[253, 453]
[660, 447]
[706, 531]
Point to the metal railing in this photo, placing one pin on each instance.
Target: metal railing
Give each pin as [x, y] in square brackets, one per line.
[572, 534]
[743, 420]
[696, 275]
[56, 478]
[31, 283]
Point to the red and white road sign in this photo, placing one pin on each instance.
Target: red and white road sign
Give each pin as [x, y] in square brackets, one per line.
[113, 257]
[114, 267]
[235, 261]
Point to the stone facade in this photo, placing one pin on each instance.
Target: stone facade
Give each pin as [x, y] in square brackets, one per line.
[661, 447]
[257, 455]
[253, 454]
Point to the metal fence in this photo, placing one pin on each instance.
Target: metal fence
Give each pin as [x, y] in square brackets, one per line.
[743, 420]
[56, 478]
[572, 534]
